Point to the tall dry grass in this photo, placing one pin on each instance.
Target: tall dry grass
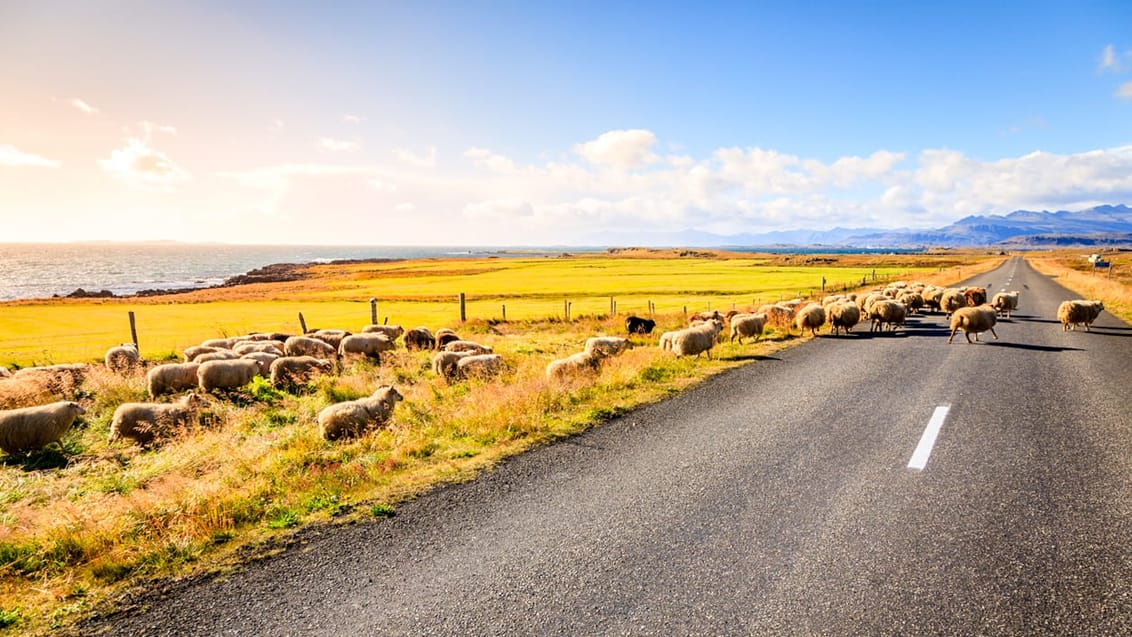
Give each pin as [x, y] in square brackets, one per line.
[1113, 286]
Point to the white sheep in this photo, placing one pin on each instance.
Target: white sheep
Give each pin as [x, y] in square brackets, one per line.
[747, 325]
[191, 353]
[778, 316]
[268, 347]
[356, 417]
[581, 363]
[56, 379]
[370, 344]
[1005, 303]
[121, 359]
[145, 422]
[665, 342]
[330, 337]
[309, 346]
[810, 317]
[228, 374]
[952, 299]
[973, 319]
[220, 355]
[887, 312]
[290, 371]
[4, 373]
[467, 346]
[221, 343]
[393, 332]
[1077, 312]
[609, 345]
[31, 428]
[479, 365]
[444, 363]
[693, 341]
[843, 315]
[171, 378]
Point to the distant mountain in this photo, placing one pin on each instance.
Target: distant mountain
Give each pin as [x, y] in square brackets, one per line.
[1101, 225]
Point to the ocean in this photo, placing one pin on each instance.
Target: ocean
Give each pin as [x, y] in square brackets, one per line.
[43, 270]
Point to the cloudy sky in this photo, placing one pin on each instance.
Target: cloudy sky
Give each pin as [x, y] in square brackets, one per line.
[536, 123]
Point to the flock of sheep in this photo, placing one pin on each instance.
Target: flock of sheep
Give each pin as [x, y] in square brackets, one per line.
[290, 361]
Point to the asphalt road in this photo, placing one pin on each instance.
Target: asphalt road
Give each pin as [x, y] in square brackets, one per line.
[774, 499]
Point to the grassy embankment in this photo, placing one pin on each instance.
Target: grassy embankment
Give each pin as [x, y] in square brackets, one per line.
[82, 521]
[1071, 269]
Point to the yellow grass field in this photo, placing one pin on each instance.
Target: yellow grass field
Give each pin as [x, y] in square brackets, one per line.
[84, 520]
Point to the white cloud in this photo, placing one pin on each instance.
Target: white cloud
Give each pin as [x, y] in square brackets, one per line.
[412, 159]
[338, 145]
[352, 119]
[14, 157]
[276, 125]
[83, 106]
[484, 158]
[1109, 60]
[619, 148]
[1124, 91]
[143, 167]
[405, 206]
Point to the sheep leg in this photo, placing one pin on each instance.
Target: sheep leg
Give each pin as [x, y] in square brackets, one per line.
[995, 335]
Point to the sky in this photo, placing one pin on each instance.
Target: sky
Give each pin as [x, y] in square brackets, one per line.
[551, 123]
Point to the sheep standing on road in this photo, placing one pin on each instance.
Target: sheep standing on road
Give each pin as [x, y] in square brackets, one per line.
[972, 320]
[1005, 303]
[31, 428]
[810, 317]
[145, 422]
[356, 417]
[1078, 312]
[843, 315]
[887, 312]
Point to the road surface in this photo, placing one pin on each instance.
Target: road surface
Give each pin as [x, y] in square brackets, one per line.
[774, 499]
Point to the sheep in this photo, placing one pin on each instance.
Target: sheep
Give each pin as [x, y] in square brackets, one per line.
[248, 347]
[810, 317]
[952, 299]
[31, 428]
[221, 343]
[370, 344]
[585, 362]
[4, 373]
[887, 312]
[467, 346]
[262, 336]
[913, 301]
[932, 295]
[843, 314]
[975, 296]
[666, 339]
[56, 379]
[419, 338]
[265, 359]
[171, 378]
[123, 358]
[291, 371]
[191, 353]
[704, 316]
[145, 422]
[309, 346]
[479, 365]
[609, 345]
[393, 332]
[330, 337]
[778, 316]
[445, 336]
[228, 374]
[866, 301]
[356, 417]
[1005, 303]
[1075, 312]
[747, 325]
[222, 355]
[693, 341]
[972, 320]
[444, 363]
[638, 325]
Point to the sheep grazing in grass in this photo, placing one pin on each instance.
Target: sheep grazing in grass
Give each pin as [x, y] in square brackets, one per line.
[4, 373]
[608, 345]
[56, 379]
[445, 336]
[1005, 303]
[146, 422]
[222, 355]
[747, 325]
[262, 336]
[693, 341]
[951, 300]
[972, 320]
[226, 374]
[1078, 312]
[843, 315]
[309, 346]
[192, 353]
[122, 359]
[249, 347]
[31, 428]
[975, 296]
[419, 338]
[332, 338]
[777, 316]
[583, 363]
[392, 332]
[810, 317]
[638, 325]
[444, 363]
[356, 417]
[292, 371]
[467, 346]
[479, 366]
[171, 378]
[370, 345]
[221, 343]
[887, 313]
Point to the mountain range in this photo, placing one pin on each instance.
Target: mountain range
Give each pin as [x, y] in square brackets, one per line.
[1107, 225]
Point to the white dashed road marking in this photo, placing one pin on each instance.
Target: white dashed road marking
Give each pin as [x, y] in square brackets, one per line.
[927, 441]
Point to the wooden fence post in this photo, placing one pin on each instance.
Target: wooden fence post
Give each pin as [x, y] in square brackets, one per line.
[373, 311]
[302, 323]
[504, 313]
[463, 313]
[134, 331]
